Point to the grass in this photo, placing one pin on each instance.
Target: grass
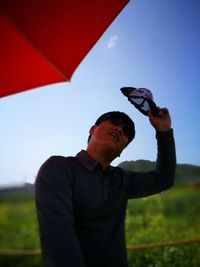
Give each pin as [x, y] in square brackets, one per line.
[18, 224]
[172, 215]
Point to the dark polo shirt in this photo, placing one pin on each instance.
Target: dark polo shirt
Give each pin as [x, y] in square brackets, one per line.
[81, 208]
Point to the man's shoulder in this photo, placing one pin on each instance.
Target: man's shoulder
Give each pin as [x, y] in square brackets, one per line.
[58, 158]
[57, 166]
[57, 161]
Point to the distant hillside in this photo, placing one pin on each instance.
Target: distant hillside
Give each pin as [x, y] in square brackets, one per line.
[138, 165]
[184, 172]
[23, 190]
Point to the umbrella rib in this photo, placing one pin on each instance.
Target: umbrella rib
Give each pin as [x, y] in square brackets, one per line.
[37, 48]
[96, 40]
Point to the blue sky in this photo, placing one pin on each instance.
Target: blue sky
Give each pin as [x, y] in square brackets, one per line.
[153, 44]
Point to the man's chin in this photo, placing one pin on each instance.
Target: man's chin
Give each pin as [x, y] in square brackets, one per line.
[111, 150]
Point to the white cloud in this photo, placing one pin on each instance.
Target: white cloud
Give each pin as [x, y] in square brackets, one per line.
[112, 41]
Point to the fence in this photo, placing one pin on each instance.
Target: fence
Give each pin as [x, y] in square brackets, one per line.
[129, 247]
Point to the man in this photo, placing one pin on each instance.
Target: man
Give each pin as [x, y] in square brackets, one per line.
[81, 201]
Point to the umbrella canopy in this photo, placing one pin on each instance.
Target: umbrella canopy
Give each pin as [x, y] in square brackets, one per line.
[42, 41]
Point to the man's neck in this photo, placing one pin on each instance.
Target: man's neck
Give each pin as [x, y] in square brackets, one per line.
[104, 159]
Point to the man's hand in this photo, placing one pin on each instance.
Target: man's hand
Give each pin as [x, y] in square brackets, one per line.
[162, 121]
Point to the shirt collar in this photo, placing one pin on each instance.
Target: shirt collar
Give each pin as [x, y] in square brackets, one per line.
[89, 163]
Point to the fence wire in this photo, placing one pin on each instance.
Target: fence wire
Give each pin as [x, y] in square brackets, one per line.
[12, 252]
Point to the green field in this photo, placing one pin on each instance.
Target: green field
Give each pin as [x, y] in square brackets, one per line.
[172, 215]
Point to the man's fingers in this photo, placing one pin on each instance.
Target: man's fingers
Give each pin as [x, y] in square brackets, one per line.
[163, 112]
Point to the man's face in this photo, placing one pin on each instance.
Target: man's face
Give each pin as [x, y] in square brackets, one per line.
[109, 136]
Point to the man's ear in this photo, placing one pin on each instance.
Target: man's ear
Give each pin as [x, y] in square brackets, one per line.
[92, 129]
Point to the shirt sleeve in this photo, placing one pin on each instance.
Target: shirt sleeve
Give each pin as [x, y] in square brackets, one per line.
[143, 184]
[53, 197]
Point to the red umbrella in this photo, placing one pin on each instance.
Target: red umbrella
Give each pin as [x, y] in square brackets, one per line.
[42, 41]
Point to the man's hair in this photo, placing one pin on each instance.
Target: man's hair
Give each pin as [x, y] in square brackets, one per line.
[119, 118]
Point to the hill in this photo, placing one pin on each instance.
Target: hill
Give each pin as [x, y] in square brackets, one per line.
[22, 190]
[184, 172]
